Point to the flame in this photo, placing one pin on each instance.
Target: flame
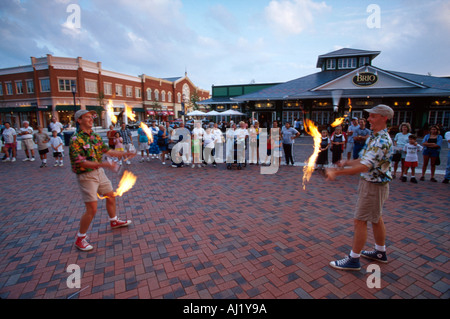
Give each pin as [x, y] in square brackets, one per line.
[312, 130]
[110, 112]
[340, 120]
[129, 113]
[148, 132]
[126, 183]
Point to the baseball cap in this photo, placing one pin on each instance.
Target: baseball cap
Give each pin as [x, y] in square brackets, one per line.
[383, 110]
[80, 113]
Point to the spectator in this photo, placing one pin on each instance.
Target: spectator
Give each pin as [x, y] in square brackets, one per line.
[198, 132]
[411, 158]
[118, 145]
[447, 171]
[42, 139]
[163, 143]
[58, 147]
[432, 146]
[400, 140]
[209, 142]
[218, 144]
[337, 145]
[10, 138]
[154, 149]
[111, 134]
[288, 135]
[56, 126]
[275, 140]
[143, 144]
[26, 132]
[350, 134]
[230, 141]
[360, 136]
[241, 135]
[180, 154]
[322, 158]
[125, 134]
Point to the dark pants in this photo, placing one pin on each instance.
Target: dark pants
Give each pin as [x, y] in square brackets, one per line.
[288, 153]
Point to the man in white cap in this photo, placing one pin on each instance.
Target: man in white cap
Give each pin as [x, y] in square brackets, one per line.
[86, 151]
[26, 132]
[373, 190]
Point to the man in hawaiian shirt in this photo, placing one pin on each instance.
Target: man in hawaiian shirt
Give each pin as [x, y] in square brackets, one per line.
[373, 190]
[86, 152]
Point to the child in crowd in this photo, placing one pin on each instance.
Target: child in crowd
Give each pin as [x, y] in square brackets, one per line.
[58, 148]
[118, 142]
[337, 145]
[41, 139]
[411, 159]
[322, 158]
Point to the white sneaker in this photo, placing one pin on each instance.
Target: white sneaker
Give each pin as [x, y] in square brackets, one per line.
[25, 159]
[142, 159]
[193, 166]
[14, 159]
[7, 160]
[198, 165]
[128, 162]
[164, 163]
[120, 163]
[32, 159]
[61, 164]
[56, 164]
[148, 159]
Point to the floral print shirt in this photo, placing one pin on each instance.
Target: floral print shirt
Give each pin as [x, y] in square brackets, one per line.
[86, 147]
[376, 155]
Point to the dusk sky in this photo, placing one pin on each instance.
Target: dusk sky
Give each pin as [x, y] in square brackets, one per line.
[226, 42]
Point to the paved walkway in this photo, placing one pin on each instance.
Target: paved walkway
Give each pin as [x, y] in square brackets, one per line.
[214, 233]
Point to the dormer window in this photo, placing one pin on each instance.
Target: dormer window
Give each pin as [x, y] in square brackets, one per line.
[347, 63]
[364, 60]
[331, 64]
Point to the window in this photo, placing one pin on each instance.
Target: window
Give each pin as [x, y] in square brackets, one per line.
[1, 89]
[149, 94]
[65, 85]
[169, 97]
[364, 60]
[129, 91]
[9, 88]
[91, 86]
[119, 90]
[30, 86]
[331, 64]
[107, 88]
[137, 92]
[19, 87]
[347, 63]
[156, 95]
[163, 96]
[45, 84]
[179, 97]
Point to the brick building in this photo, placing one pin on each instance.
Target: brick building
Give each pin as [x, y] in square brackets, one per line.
[50, 85]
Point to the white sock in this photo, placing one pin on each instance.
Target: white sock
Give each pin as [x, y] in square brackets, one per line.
[380, 248]
[81, 235]
[113, 219]
[44, 161]
[354, 255]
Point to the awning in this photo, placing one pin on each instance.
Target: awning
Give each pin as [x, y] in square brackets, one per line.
[67, 108]
[151, 113]
[171, 113]
[163, 113]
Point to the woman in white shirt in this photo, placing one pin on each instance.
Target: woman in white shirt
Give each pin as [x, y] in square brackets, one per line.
[400, 140]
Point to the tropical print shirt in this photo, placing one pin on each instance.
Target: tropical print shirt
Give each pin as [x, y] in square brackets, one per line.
[86, 147]
[376, 155]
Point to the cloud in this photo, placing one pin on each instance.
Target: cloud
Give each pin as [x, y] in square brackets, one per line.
[292, 17]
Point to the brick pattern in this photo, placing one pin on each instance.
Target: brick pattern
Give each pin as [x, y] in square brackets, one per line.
[214, 233]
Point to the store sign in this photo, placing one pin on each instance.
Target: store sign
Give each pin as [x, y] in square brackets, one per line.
[365, 79]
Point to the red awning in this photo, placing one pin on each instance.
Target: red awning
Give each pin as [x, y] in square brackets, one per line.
[163, 113]
[171, 113]
[151, 112]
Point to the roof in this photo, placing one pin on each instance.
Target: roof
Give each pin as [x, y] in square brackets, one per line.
[306, 87]
[346, 52]
[173, 79]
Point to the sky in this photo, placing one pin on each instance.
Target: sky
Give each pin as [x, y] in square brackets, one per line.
[222, 42]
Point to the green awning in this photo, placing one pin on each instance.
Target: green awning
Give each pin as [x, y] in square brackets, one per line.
[18, 109]
[96, 108]
[66, 108]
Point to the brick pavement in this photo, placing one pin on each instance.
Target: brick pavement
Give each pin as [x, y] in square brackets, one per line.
[212, 233]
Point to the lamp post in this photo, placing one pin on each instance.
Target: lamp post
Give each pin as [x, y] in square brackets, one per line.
[74, 91]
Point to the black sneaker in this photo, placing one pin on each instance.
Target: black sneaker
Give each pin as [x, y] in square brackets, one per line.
[414, 180]
[375, 255]
[404, 178]
[348, 263]
[445, 181]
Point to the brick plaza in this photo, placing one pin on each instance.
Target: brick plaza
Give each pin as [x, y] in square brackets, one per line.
[212, 233]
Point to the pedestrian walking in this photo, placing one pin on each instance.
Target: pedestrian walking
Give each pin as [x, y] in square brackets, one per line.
[373, 190]
[86, 152]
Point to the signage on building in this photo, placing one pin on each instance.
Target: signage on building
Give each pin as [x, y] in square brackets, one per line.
[365, 79]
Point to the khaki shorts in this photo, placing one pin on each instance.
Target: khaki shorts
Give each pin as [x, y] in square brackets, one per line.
[371, 198]
[93, 183]
[27, 144]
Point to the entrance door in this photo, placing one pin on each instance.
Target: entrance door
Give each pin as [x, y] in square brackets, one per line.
[265, 119]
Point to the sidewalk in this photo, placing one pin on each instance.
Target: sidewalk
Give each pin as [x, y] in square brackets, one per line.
[213, 233]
